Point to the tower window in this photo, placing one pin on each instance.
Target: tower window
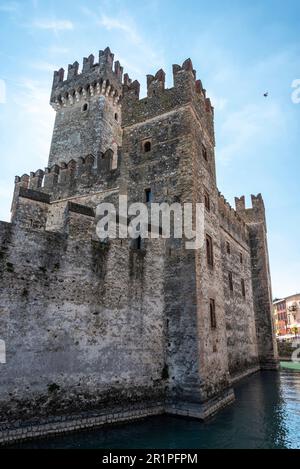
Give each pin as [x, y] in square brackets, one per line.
[138, 243]
[147, 146]
[209, 251]
[148, 195]
[116, 117]
[241, 258]
[207, 201]
[230, 280]
[204, 152]
[85, 107]
[228, 247]
[243, 288]
[212, 311]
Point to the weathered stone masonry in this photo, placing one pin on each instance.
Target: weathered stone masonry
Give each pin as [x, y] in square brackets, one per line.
[99, 332]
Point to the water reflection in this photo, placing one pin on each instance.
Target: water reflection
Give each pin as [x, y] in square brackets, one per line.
[266, 414]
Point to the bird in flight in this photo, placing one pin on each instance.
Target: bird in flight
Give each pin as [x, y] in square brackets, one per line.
[266, 94]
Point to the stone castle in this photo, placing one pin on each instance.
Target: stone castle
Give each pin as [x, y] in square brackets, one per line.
[106, 332]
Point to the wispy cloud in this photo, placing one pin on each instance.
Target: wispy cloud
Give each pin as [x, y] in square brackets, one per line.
[125, 25]
[44, 66]
[58, 50]
[9, 7]
[31, 100]
[53, 25]
[250, 125]
[136, 50]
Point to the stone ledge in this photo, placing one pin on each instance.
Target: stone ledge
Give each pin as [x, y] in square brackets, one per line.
[238, 376]
[32, 431]
[34, 195]
[201, 411]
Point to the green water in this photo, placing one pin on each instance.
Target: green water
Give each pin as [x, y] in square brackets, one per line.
[266, 414]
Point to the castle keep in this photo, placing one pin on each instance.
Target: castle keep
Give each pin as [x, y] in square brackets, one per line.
[99, 332]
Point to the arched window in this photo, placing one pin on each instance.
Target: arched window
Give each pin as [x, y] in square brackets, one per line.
[85, 107]
[116, 117]
[147, 146]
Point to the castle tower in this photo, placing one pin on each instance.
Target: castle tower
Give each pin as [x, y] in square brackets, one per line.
[255, 219]
[168, 144]
[88, 117]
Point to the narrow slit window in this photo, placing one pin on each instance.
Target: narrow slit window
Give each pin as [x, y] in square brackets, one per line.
[243, 288]
[230, 280]
[148, 195]
[228, 250]
[209, 251]
[204, 152]
[207, 201]
[212, 311]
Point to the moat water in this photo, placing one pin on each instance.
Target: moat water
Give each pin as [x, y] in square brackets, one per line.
[266, 414]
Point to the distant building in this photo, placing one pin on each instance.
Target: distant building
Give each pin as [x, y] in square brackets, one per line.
[280, 317]
[287, 315]
[293, 313]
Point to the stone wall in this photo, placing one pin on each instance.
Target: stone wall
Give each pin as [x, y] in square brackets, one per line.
[240, 318]
[82, 321]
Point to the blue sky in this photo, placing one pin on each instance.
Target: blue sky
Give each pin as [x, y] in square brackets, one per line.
[240, 50]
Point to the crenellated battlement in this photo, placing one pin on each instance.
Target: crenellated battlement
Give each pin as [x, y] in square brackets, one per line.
[230, 218]
[253, 214]
[186, 89]
[68, 179]
[101, 78]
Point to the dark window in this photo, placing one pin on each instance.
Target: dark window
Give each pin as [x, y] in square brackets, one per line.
[243, 287]
[148, 195]
[230, 281]
[228, 247]
[241, 258]
[116, 116]
[212, 310]
[138, 242]
[85, 107]
[207, 201]
[209, 251]
[204, 152]
[147, 146]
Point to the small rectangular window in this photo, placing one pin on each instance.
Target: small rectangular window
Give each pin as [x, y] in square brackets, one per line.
[241, 258]
[228, 247]
[204, 152]
[209, 251]
[147, 146]
[212, 310]
[148, 195]
[230, 280]
[243, 288]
